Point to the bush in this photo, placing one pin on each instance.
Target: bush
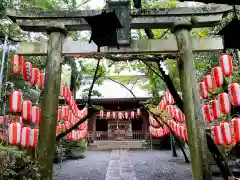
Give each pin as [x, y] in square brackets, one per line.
[79, 146]
[16, 164]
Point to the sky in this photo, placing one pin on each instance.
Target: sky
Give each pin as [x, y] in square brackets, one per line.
[96, 3]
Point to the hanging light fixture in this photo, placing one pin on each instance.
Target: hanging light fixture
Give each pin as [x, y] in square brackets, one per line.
[104, 29]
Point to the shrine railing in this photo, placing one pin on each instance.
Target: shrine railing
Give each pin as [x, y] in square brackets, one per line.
[103, 136]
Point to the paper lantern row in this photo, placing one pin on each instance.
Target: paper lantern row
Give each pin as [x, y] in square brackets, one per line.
[30, 74]
[158, 132]
[66, 125]
[65, 113]
[176, 113]
[211, 83]
[179, 130]
[77, 135]
[119, 115]
[67, 95]
[227, 133]
[28, 111]
[217, 108]
[153, 122]
[166, 100]
[22, 136]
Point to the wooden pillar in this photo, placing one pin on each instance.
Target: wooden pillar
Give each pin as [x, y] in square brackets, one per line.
[94, 135]
[49, 104]
[191, 101]
[145, 125]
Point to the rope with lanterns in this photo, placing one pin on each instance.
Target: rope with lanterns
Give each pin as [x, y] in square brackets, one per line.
[175, 119]
[25, 115]
[217, 102]
[119, 115]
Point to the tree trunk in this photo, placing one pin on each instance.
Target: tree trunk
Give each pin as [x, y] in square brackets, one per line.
[174, 152]
[200, 164]
[47, 129]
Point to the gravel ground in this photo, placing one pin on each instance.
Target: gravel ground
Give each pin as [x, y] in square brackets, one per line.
[157, 165]
[92, 167]
[146, 165]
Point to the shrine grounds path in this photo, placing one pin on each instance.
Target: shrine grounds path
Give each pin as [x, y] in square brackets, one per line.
[125, 165]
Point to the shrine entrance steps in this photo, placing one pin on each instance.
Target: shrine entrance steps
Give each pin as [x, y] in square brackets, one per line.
[113, 145]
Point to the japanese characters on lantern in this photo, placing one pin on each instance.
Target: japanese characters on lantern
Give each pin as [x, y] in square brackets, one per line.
[27, 71]
[34, 76]
[17, 63]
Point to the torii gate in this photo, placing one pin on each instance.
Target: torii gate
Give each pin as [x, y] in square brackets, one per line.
[56, 24]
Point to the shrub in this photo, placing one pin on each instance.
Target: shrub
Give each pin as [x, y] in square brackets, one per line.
[16, 164]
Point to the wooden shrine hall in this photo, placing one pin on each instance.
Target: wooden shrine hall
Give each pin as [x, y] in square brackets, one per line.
[122, 119]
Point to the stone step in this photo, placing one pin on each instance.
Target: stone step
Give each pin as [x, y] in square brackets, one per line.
[108, 145]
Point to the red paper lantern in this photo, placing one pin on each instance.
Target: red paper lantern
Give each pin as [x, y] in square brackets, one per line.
[132, 114]
[27, 71]
[65, 111]
[120, 115]
[108, 115]
[101, 114]
[217, 135]
[217, 76]
[153, 122]
[234, 93]
[126, 115]
[224, 102]
[60, 114]
[25, 137]
[226, 132]
[207, 112]
[34, 76]
[215, 109]
[33, 138]
[114, 116]
[40, 82]
[226, 64]
[35, 115]
[15, 101]
[14, 133]
[203, 90]
[26, 110]
[209, 83]
[138, 112]
[179, 116]
[236, 128]
[17, 62]
[169, 97]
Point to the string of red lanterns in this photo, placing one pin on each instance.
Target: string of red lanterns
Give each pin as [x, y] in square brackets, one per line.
[120, 115]
[217, 110]
[178, 128]
[27, 137]
[29, 73]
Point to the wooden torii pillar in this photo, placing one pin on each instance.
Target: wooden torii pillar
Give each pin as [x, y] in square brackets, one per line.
[39, 21]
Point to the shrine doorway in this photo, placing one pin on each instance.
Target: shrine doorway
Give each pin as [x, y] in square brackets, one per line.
[119, 130]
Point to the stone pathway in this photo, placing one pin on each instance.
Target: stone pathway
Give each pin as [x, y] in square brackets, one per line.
[120, 166]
